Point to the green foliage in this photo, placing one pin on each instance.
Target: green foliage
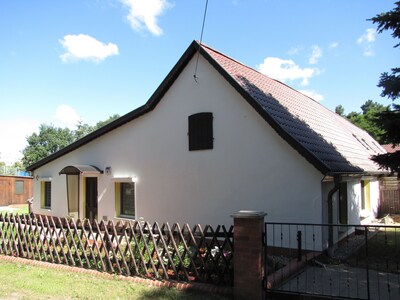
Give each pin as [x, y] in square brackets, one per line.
[18, 165]
[390, 84]
[105, 122]
[11, 170]
[51, 139]
[84, 129]
[367, 119]
[389, 21]
[339, 110]
[390, 124]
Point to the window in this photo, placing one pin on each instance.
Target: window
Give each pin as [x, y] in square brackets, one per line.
[19, 187]
[343, 210]
[125, 199]
[46, 194]
[365, 195]
[201, 131]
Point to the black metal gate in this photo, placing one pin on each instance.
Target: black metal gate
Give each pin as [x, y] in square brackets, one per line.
[363, 264]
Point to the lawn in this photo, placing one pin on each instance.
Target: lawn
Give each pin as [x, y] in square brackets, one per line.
[15, 209]
[25, 281]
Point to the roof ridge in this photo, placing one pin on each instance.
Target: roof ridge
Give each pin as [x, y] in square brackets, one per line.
[262, 74]
[227, 56]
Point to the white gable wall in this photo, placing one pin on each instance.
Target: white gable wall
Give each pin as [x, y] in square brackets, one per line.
[250, 168]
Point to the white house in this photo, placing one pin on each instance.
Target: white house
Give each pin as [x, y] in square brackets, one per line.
[208, 146]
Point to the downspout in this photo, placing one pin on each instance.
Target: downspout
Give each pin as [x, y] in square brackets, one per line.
[336, 180]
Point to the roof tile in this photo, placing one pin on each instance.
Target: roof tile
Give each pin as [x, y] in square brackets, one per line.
[329, 138]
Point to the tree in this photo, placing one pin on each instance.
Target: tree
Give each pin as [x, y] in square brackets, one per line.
[84, 129]
[18, 165]
[51, 139]
[367, 118]
[339, 110]
[104, 123]
[390, 84]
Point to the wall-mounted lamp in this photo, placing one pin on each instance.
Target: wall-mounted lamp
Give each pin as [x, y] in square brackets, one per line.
[108, 170]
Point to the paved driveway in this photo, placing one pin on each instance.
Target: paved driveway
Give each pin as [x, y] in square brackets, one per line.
[346, 282]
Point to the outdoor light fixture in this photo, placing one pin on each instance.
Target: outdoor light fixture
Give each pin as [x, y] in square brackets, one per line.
[108, 170]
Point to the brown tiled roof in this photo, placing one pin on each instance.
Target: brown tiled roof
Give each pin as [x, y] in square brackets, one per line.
[390, 149]
[323, 137]
[329, 142]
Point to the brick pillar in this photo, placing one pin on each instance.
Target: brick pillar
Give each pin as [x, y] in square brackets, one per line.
[248, 256]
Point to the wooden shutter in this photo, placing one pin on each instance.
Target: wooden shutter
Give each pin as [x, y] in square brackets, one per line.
[201, 131]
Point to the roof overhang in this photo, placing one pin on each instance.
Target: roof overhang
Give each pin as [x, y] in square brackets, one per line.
[80, 169]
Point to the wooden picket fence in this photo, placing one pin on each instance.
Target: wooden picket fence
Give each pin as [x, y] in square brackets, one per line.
[126, 248]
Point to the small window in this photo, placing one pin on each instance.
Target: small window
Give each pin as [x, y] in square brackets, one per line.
[201, 131]
[19, 187]
[125, 199]
[46, 194]
[365, 195]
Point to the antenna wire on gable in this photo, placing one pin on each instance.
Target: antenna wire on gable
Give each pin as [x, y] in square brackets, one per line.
[201, 38]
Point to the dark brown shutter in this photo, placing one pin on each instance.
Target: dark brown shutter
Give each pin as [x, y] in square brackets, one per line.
[201, 131]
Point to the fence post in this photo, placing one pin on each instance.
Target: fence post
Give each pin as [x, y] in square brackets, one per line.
[248, 260]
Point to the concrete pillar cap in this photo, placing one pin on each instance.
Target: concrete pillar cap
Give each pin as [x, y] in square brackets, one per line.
[248, 214]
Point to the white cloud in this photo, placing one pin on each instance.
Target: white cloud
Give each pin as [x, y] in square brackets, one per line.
[312, 94]
[316, 54]
[366, 40]
[284, 70]
[143, 14]
[85, 47]
[333, 45]
[295, 50]
[368, 51]
[368, 36]
[66, 116]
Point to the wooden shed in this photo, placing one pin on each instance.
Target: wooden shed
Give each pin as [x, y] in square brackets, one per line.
[15, 189]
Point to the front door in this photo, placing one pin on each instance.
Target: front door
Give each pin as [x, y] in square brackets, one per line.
[91, 198]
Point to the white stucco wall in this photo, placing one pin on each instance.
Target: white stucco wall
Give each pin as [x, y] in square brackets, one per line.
[375, 196]
[354, 201]
[250, 168]
[354, 198]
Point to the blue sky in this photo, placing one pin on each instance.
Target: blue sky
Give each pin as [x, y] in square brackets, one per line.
[69, 60]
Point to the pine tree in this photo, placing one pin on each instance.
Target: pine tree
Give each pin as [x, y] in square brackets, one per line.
[390, 84]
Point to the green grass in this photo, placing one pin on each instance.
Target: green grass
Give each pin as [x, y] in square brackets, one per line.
[24, 281]
[15, 209]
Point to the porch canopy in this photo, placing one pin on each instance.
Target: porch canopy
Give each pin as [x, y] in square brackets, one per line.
[80, 169]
